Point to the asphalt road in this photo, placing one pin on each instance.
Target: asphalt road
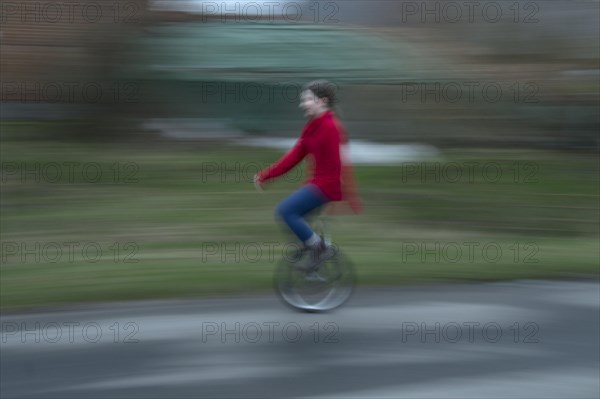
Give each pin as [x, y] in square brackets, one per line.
[527, 339]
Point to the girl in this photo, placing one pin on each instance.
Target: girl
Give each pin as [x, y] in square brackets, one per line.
[332, 178]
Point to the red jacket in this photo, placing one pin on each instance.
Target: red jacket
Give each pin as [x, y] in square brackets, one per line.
[320, 140]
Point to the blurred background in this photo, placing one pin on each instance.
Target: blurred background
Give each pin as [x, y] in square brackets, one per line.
[131, 131]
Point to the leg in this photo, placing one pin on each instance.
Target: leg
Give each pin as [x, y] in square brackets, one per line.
[301, 202]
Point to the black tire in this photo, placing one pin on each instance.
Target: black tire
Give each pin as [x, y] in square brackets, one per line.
[336, 287]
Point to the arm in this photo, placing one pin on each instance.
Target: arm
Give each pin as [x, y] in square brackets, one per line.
[285, 163]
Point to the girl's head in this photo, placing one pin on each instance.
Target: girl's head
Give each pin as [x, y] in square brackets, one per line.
[317, 97]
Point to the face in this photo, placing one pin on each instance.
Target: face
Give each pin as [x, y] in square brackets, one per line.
[311, 105]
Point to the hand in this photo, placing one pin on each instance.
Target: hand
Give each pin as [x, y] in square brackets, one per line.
[258, 184]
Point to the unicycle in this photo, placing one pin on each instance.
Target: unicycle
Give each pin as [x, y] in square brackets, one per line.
[320, 290]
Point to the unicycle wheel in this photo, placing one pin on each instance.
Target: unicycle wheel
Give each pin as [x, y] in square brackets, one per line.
[324, 289]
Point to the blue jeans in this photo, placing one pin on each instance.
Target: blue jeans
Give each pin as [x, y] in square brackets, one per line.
[301, 202]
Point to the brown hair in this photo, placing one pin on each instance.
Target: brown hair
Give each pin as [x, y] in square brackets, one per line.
[323, 89]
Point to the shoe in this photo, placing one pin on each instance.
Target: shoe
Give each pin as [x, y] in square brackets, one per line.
[315, 257]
